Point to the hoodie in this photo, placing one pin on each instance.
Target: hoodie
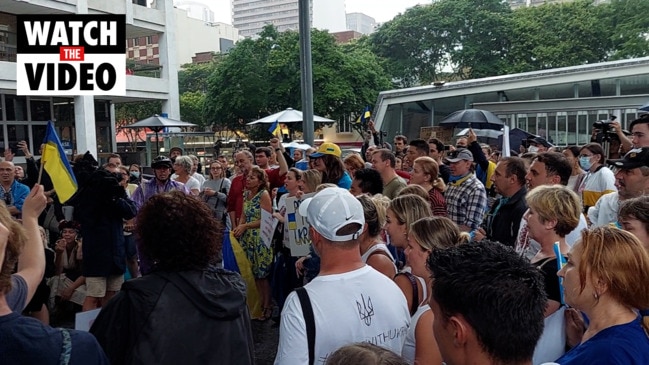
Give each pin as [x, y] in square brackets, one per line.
[189, 317]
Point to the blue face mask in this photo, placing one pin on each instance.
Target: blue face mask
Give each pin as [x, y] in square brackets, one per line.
[135, 174]
[585, 163]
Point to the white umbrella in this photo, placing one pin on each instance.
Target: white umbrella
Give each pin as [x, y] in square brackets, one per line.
[289, 115]
[299, 146]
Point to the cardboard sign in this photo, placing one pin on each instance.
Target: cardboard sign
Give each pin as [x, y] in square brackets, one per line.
[298, 227]
[84, 320]
[71, 54]
[267, 227]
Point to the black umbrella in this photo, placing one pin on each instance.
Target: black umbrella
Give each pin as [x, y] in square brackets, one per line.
[473, 118]
[157, 123]
[644, 108]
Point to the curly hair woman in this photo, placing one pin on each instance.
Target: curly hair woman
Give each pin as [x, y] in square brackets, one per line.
[185, 302]
[256, 198]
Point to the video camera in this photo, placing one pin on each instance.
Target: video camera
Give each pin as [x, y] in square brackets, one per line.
[605, 125]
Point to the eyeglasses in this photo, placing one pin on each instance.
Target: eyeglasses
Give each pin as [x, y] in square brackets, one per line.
[580, 156]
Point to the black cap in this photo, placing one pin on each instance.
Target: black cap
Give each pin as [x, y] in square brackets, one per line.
[635, 158]
[539, 140]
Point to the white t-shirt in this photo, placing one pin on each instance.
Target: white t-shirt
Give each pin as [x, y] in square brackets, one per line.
[358, 306]
[605, 210]
[199, 177]
[191, 183]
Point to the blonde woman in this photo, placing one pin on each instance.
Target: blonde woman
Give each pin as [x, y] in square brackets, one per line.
[308, 266]
[425, 174]
[402, 212]
[424, 236]
[553, 212]
[374, 251]
[215, 190]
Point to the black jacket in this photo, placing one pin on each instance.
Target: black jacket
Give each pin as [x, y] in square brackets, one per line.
[503, 227]
[191, 317]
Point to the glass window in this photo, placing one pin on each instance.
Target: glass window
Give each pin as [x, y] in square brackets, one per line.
[571, 136]
[40, 109]
[522, 121]
[102, 111]
[542, 125]
[561, 131]
[16, 107]
[38, 135]
[15, 134]
[64, 112]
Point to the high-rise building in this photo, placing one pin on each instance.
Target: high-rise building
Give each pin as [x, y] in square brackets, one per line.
[361, 23]
[250, 17]
[196, 10]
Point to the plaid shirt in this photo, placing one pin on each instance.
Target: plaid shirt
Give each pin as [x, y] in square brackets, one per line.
[466, 201]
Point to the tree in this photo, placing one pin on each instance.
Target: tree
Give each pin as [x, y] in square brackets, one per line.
[557, 35]
[411, 46]
[129, 113]
[260, 77]
[191, 107]
[475, 35]
[627, 24]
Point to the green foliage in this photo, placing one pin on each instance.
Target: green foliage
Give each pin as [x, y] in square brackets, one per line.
[262, 76]
[479, 38]
[191, 107]
[628, 26]
[129, 113]
[557, 35]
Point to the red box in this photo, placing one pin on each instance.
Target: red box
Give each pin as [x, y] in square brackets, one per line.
[71, 53]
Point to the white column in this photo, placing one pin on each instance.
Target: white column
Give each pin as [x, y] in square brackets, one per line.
[169, 60]
[113, 129]
[84, 121]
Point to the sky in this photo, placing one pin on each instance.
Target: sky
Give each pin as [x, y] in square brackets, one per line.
[381, 10]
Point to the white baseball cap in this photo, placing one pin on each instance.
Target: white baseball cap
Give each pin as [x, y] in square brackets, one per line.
[332, 209]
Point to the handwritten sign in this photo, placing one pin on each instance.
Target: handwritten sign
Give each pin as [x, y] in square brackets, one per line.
[298, 227]
[267, 227]
[84, 320]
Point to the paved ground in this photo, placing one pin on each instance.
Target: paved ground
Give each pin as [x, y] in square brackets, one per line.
[266, 336]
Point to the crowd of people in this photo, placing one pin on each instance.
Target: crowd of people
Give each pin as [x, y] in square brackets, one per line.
[421, 253]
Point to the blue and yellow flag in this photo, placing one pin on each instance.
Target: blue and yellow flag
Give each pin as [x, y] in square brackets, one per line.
[57, 165]
[274, 128]
[365, 116]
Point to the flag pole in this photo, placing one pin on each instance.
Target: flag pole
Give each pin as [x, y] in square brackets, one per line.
[40, 172]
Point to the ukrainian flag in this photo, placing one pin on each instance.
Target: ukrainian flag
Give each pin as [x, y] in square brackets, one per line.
[365, 117]
[274, 128]
[57, 165]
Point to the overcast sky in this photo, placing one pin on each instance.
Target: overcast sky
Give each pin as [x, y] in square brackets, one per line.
[381, 10]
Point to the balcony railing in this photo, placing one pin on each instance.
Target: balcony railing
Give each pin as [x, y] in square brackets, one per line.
[8, 46]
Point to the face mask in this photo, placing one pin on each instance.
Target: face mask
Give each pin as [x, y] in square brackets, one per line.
[135, 174]
[585, 163]
[533, 149]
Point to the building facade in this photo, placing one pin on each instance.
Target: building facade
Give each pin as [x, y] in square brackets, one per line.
[361, 23]
[84, 123]
[196, 10]
[560, 104]
[214, 37]
[251, 16]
